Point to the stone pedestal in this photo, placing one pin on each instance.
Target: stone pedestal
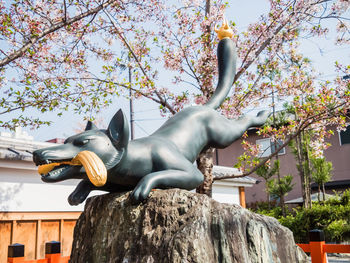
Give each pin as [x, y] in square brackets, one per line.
[178, 226]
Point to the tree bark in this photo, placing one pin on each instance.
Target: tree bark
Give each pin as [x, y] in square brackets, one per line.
[267, 195]
[205, 159]
[281, 194]
[308, 173]
[205, 164]
[324, 192]
[305, 185]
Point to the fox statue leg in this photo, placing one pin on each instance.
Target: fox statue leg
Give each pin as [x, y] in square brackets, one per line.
[84, 188]
[223, 132]
[178, 173]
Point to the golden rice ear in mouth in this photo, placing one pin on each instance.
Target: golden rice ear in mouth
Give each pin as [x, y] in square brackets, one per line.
[94, 167]
[46, 168]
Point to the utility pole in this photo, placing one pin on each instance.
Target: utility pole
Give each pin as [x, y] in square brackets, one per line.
[132, 135]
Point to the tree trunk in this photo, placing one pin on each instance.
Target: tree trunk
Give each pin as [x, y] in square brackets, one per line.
[305, 185]
[319, 191]
[267, 195]
[324, 192]
[307, 174]
[307, 192]
[282, 205]
[281, 195]
[205, 165]
[205, 159]
[300, 168]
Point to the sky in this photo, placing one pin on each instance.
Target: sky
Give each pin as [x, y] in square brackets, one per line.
[322, 53]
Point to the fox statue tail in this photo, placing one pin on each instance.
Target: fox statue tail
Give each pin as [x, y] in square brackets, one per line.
[227, 57]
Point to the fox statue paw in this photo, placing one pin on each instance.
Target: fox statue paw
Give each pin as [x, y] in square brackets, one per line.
[139, 194]
[80, 193]
[76, 198]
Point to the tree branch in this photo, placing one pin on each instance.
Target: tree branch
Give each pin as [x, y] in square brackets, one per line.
[19, 52]
[161, 99]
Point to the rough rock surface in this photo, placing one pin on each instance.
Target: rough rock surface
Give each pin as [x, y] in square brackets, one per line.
[178, 226]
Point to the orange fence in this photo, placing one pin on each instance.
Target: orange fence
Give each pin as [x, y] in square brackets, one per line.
[318, 249]
[52, 254]
[34, 229]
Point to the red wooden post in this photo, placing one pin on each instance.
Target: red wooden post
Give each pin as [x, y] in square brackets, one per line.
[53, 252]
[317, 244]
[319, 249]
[15, 253]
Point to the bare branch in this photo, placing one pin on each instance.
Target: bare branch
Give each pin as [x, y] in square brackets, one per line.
[65, 11]
[162, 101]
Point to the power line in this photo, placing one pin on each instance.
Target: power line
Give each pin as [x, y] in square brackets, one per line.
[142, 129]
[141, 111]
[150, 119]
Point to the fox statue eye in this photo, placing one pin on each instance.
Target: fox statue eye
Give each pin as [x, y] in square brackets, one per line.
[81, 142]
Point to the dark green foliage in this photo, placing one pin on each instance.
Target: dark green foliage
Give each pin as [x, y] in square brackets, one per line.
[266, 171]
[321, 174]
[332, 216]
[279, 188]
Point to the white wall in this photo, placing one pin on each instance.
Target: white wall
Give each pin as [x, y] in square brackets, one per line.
[225, 194]
[21, 189]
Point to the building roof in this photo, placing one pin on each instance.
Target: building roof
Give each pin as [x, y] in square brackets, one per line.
[19, 145]
[314, 197]
[337, 184]
[219, 171]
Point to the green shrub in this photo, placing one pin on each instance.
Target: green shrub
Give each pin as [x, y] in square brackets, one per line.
[337, 229]
[332, 216]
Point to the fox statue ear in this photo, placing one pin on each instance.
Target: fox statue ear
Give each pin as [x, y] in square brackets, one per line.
[118, 130]
[90, 126]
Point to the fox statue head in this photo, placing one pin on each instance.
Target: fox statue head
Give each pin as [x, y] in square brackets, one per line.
[104, 148]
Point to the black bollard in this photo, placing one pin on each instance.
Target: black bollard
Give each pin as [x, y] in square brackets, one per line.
[52, 247]
[15, 251]
[316, 235]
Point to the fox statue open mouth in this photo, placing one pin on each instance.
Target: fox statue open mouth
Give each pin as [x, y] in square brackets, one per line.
[107, 160]
[93, 165]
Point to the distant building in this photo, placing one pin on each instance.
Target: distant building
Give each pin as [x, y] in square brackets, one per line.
[338, 154]
[231, 190]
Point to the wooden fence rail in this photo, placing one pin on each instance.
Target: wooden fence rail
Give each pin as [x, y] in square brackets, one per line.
[52, 254]
[318, 249]
[34, 229]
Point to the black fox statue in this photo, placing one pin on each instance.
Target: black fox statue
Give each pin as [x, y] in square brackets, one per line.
[162, 160]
